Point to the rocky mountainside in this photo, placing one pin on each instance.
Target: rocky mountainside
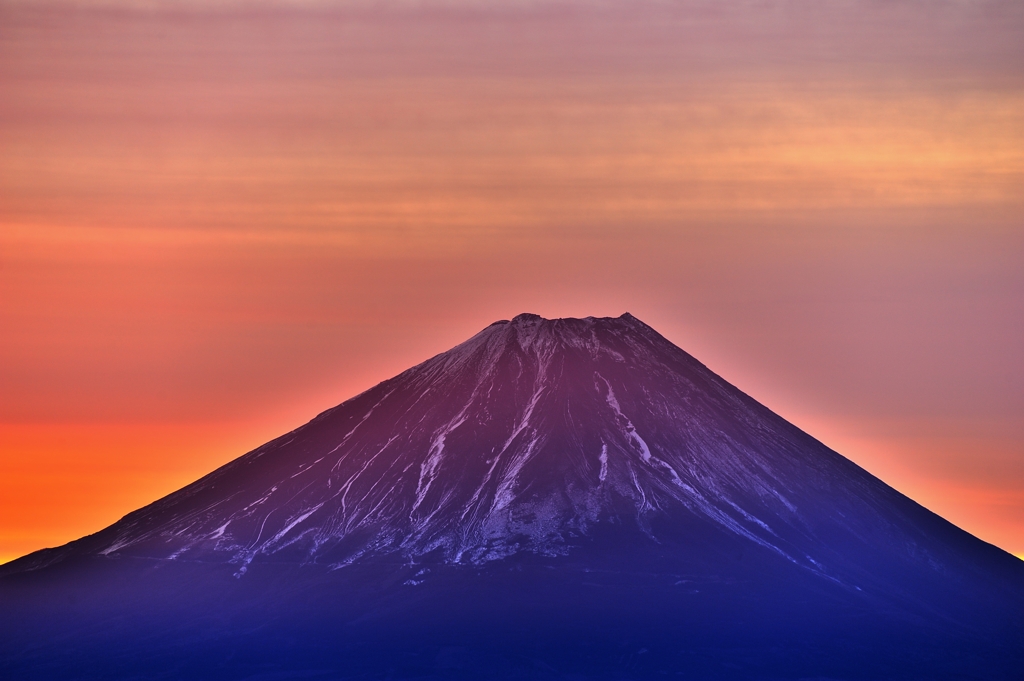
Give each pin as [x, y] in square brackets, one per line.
[570, 452]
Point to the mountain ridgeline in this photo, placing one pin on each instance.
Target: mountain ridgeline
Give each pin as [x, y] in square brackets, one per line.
[566, 498]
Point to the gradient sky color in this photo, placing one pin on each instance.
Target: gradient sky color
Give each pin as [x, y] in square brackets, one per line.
[218, 220]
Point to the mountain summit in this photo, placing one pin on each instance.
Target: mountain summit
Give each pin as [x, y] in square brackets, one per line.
[586, 465]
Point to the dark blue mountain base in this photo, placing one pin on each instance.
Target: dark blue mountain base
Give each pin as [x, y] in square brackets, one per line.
[553, 499]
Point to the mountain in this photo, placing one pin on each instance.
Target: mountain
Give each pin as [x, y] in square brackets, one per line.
[566, 498]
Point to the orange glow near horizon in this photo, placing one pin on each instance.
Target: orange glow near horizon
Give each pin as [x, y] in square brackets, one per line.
[216, 223]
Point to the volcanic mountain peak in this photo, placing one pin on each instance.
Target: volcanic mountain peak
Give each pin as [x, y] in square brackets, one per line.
[537, 335]
[564, 490]
[534, 436]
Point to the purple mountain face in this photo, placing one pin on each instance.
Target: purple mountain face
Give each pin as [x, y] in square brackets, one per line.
[567, 498]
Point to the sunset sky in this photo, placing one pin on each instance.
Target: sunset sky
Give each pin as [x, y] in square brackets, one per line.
[219, 219]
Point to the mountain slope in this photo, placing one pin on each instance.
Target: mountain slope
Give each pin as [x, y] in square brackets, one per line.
[555, 449]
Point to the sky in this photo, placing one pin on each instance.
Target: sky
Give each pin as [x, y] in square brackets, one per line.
[219, 219]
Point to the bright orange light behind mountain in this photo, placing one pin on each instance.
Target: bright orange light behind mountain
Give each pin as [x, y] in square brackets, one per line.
[214, 224]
